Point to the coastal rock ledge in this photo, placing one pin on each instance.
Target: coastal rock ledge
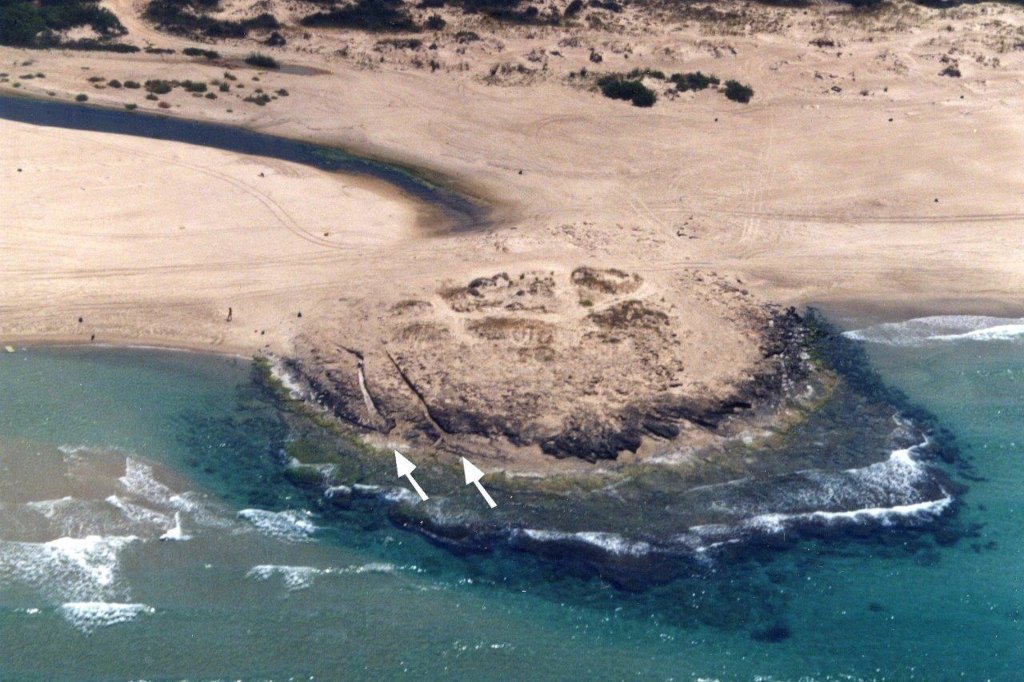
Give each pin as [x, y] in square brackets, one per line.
[589, 363]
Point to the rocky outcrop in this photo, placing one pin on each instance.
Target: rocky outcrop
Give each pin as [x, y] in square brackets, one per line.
[585, 364]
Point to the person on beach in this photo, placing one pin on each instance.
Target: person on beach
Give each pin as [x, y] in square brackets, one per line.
[230, 313]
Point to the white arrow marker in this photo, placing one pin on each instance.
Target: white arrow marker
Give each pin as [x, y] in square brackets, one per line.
[473, 475]
[405, 468]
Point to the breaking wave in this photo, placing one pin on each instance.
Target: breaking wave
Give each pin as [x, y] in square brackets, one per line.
[66, 568]
[87, 616]
[301, 577]
[290, 524]
[942, 329]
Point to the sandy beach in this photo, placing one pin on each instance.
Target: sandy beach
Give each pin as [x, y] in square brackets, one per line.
[856, 177]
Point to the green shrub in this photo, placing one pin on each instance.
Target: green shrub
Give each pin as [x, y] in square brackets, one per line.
[197, 52]
[262, 61]
[617, 87]
[90, 45]
[366, 15]
[259, 100]
[81, 98]
[159, 87]
[693, 81]
[114, 83]
[132, 85]
[738, 92]
[189, 17]
[435, 22]
[645, 73]
[20, 23]
[131, 106]
[194, 86]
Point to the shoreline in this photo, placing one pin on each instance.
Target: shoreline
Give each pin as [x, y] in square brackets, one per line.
[433, 213]
[627, 284]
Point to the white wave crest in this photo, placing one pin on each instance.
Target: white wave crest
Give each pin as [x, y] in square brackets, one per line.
[138, 514]
[66, 568]
[87, 616]
[139, 481]
[942, 328]
[301, 577]
[611, 543]
[294, 577]
[290, 524]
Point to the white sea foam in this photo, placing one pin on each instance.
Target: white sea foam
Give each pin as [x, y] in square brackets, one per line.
[290, 524]
[942, 328]
[66, 568]
[895, 478]
[138, 514]
[138, 480]
[337, 490]
[294, 577]
[388, 494]
[612, 543]
[87, 616]
[288, 381]
[301, 577]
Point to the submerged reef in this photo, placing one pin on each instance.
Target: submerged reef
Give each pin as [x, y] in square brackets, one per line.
[822, 449]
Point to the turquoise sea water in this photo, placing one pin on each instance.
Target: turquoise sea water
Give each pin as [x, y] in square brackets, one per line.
[102, 452]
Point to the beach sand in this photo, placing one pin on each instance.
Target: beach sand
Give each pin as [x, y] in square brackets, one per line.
[856, 177]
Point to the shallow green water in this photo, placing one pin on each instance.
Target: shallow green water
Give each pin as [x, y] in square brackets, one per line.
[111, 445]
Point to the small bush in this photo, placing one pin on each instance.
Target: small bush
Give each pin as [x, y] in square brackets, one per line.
[262, 61]
[81, 98]
[131, 106]
[693, 81]
[159, 50]
[646, 73]
[435, 22]
[90, 45]
[152, 97]
[114, 83]
[738, 92]
[951, 71]
[159, 87]
[198, 52]
[466, 37]
[617, 87]
[367, 15]
[194, 86]
[259, 100]
[223, 87]
[132, 85]
[574, 8]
